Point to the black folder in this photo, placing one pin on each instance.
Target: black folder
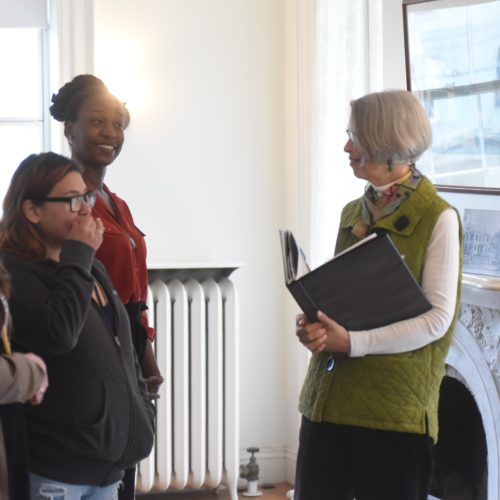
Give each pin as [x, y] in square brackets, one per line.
[367, 286]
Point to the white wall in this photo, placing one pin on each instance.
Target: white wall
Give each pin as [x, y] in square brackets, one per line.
[203, 164]
[210, 172]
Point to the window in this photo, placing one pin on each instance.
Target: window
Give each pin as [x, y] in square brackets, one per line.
[453, 66]
[24, 127]
[21, 98]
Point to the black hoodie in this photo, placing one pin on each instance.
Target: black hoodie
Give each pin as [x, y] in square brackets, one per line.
[96, 419]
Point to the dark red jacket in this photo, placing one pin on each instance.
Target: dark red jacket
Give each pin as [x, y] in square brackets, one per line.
[123, 253]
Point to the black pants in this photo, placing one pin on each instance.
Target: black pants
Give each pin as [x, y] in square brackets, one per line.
[16, 449]
[139, 338]
[339, 462]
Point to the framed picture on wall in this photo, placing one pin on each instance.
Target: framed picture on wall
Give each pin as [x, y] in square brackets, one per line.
[481, 244]
[480, 216]
[453, 66]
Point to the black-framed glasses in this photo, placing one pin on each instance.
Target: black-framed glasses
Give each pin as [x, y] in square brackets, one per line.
[75, 202]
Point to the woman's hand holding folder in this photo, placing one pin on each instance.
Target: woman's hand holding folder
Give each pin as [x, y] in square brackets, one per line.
[322, 335]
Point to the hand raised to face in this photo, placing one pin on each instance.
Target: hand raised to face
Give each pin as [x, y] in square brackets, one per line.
[87, 230]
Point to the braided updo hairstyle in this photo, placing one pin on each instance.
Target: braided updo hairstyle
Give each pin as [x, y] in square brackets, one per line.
[66, 103]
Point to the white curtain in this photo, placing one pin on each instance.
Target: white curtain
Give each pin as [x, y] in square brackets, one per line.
[347, 65]
[333, 54]
[71, 52]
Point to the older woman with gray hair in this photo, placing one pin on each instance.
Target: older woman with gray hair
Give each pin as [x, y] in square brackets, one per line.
[369, 423]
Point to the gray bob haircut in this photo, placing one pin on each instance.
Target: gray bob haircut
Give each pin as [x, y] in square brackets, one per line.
[390, 126]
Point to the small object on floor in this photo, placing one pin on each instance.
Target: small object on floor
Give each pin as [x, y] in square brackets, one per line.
[250, 472]
[290, 494]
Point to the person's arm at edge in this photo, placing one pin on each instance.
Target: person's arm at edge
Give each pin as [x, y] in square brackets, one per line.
[21, 378]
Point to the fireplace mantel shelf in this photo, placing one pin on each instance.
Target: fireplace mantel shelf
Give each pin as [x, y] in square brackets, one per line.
[481, 282]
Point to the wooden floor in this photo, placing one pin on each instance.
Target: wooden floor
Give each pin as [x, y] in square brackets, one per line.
[269, 492]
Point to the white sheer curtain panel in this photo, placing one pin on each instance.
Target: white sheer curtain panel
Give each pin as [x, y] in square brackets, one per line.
[333, 54]
[347, 65]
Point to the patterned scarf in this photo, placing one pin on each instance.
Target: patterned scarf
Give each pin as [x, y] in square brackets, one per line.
[380, 203]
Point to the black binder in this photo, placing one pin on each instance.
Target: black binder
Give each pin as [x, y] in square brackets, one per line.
[367, 286]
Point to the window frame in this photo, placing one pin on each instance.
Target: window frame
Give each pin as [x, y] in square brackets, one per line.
[471, 189]
[36, 119]
[46, 96]
[43, 55]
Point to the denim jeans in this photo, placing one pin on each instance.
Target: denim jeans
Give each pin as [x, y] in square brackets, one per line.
[43, 488]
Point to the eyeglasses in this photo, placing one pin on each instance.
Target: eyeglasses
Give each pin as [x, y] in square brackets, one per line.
[76, 202]
[351, 134]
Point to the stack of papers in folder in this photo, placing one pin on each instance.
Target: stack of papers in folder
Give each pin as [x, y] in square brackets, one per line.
[366, 286]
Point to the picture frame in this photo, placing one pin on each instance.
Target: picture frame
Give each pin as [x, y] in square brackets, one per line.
[481, 244]
[476, 200]
[480, 216]
[452, 55]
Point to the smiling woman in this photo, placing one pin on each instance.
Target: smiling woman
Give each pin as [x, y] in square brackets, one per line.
[94, 122]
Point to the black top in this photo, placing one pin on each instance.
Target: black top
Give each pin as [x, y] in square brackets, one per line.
[96, 418]
[16, 447]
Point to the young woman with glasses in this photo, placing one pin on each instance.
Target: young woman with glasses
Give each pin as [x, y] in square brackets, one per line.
[97, 419]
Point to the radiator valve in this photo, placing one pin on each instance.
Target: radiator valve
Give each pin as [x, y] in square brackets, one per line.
[250, 472]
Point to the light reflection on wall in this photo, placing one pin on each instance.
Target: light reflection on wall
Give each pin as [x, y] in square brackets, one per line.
[119, 63]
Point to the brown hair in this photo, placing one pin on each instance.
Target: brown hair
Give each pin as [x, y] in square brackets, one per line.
[4, 293]
[33, 180]
[4, 282]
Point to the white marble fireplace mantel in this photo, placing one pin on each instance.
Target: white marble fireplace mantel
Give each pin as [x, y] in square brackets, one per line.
[480, 314]
[474, 359]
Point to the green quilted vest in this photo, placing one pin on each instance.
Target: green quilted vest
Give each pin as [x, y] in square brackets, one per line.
[396, 392]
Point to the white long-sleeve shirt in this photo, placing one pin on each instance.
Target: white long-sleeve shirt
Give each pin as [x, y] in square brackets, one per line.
[439, 284]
